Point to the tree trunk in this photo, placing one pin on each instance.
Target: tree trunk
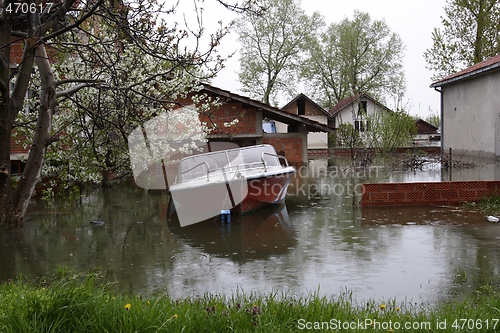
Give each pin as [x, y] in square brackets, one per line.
[5, 124]
[31, 174]
[478, 41]
[5, 170]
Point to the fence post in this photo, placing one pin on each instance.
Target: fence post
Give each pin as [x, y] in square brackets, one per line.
[450, 165]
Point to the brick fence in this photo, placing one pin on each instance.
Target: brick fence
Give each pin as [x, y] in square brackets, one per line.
[430, 193]
[319, 153]
[347, 152]
[290, 145]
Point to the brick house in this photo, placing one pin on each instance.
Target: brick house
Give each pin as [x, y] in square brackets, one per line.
[304, 107]
[249, 129]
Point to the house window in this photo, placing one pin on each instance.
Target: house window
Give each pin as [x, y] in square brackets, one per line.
[362, 106]
[301, 107]
[359, 125]
[332, 122]
[362, 125]
[17, 167]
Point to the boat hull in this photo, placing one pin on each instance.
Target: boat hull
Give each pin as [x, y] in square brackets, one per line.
[265, 191]
[194, 205]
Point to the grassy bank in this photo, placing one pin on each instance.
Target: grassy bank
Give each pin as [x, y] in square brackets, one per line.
[80, 304]
[488, 205]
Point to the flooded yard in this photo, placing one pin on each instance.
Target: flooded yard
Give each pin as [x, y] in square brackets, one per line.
[316, 242]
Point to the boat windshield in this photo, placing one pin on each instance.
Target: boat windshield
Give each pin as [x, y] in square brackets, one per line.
[258, 154]
[231, 160]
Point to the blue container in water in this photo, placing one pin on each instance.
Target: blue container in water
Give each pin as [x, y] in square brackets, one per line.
[225, 216]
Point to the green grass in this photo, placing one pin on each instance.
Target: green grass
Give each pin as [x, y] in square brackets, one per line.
[73, 303]
[489, 205]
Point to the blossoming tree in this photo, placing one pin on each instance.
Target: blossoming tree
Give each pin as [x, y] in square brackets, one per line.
[96, 70]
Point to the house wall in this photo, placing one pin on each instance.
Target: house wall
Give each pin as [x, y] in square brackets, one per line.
[247, 119]
[281, 127]
[310, 110]
[318, 140]
[423, 138]
[350, 113]
[19, 150]
[471, 116]
[248, 131]
[18, 143]
[315, 140]
[290, 144]
[16, 53]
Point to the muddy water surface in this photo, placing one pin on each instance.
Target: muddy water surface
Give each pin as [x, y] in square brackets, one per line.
[316, 241]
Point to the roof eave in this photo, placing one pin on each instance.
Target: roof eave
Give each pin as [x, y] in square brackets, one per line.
[365, 95]
[309, 100]
[466, 75]
[277, 114]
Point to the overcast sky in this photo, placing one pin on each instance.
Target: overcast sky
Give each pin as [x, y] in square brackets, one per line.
[413, 20]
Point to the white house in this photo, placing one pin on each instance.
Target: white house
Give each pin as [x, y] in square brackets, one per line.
[354, 109]
[470, 110]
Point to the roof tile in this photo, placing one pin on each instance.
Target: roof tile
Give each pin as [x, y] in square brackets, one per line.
[480, 67]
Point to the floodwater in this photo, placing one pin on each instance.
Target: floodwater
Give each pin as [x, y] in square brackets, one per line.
[316, 242]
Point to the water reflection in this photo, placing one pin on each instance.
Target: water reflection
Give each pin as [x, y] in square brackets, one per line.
[317, 240]
[458, 245]
[254, 236]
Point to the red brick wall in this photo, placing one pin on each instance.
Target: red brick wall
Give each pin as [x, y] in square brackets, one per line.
[430, 193]
[428, 150]
[17, 49]
[291, 146]
[292, 109]
[247, 119]
[17, 148]
[16, 53]
[318, 152]
[227, 112]
[310, 109]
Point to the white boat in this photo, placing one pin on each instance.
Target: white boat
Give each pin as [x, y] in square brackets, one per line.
[240, 179]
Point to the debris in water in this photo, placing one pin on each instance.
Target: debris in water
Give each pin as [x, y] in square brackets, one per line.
[96, 222]
[493, 219]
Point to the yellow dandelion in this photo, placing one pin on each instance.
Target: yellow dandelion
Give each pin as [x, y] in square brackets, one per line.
[149, 303]
[176, 316]
[128, 306]
[382, 306]
[398, 309]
